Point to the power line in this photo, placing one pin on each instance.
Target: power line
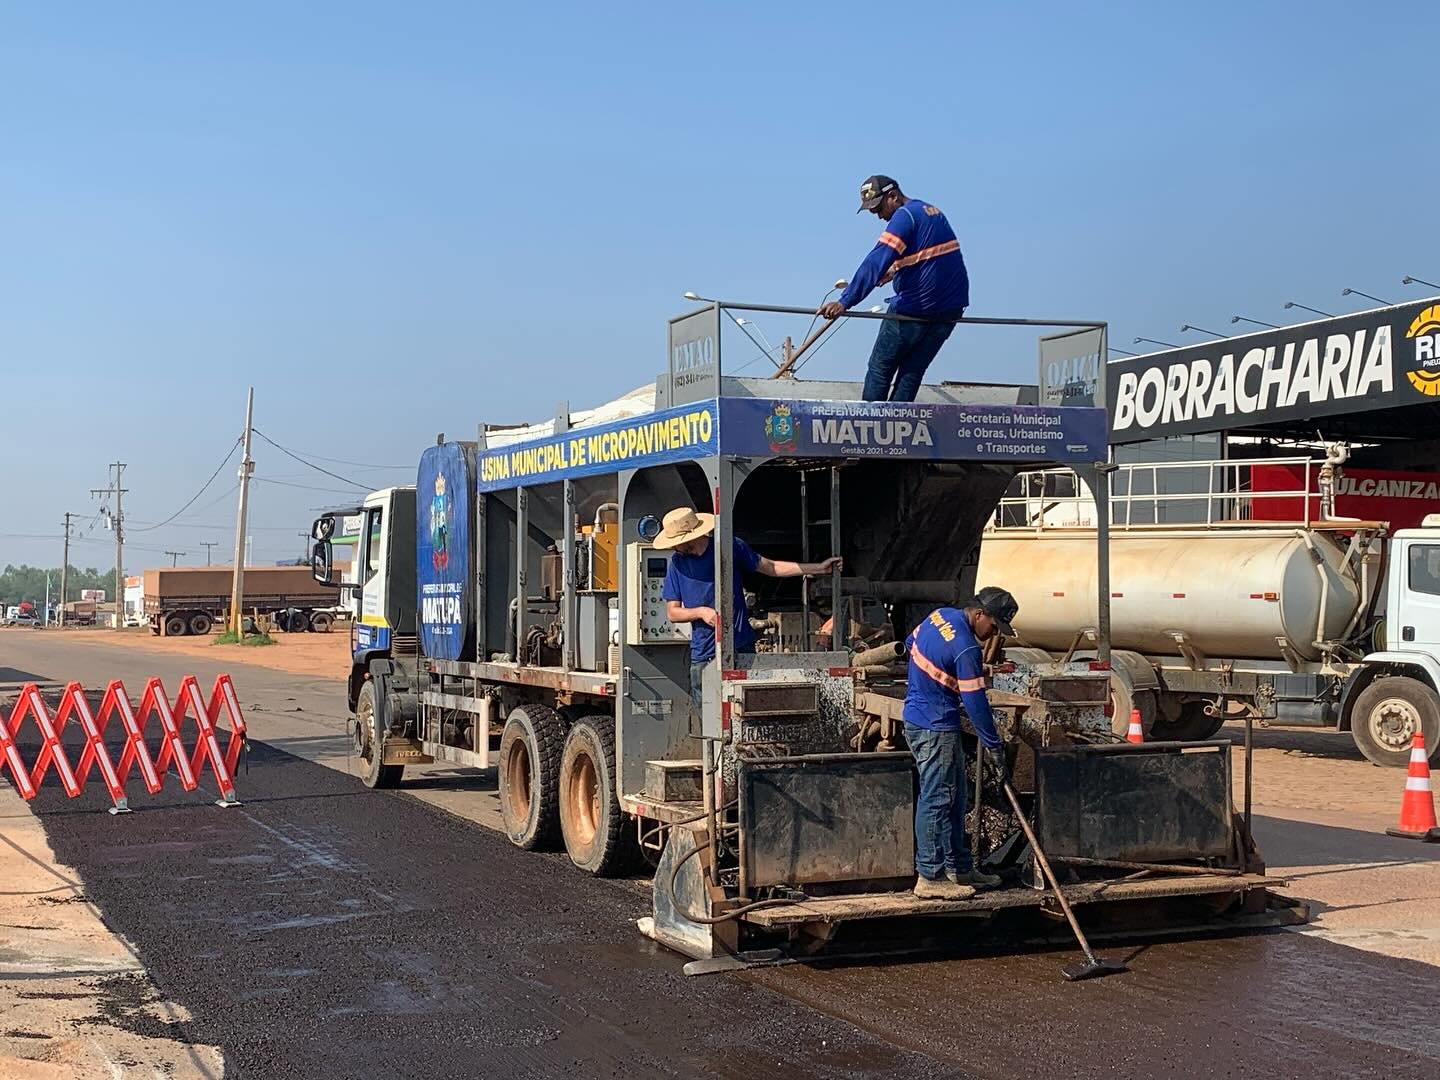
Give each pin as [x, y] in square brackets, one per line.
[356, 464]
[306, 487]
[228, 455]
[311, 464]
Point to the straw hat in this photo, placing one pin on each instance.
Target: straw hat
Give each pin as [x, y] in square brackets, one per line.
[682, 525]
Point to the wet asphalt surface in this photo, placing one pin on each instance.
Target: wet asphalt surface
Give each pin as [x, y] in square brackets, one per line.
[323, 930]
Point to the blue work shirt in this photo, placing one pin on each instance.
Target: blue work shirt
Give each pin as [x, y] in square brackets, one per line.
[691, 581]
[930, 275]
[946, 669]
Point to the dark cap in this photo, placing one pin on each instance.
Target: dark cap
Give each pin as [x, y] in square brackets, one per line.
[1000, 606]
[874, 189]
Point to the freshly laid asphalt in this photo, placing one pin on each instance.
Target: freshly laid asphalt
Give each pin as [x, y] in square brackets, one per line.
[323, 930]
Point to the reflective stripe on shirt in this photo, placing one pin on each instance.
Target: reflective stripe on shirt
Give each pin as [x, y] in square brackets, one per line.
[944, 678]
[933, 252]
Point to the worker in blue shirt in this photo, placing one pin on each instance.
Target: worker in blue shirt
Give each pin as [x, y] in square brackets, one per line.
[919, 250]
[689, 588]
[947, 683]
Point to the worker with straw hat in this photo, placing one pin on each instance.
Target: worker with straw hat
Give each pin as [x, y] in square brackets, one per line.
[689, 589]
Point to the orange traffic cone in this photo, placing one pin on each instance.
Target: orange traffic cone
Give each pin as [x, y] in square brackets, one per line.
[1136, 734]
[1417, 808]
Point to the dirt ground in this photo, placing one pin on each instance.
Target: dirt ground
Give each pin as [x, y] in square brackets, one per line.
[73, 994]
[302, 654]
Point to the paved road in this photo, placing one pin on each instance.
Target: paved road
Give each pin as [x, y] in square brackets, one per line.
[323, 930]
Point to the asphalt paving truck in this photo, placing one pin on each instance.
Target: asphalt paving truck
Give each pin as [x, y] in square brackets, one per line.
[1234, 597]
[511, 617]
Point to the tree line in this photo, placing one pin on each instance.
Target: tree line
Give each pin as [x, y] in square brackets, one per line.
[24, 582]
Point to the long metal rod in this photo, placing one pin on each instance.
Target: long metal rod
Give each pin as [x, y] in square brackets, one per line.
[839, 605]
[779, 309]
[804, 557]
[1167, 868]
[522, 551]
[1249, 759]
[1049, 874]
[793, 355]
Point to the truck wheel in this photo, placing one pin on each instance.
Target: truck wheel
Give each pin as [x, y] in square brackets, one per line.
[176, 626]
[1386, 716]
[369, 742]
[321, 622]
[1123, 699]
[590, 816]
[530, 750]
[1192, 725]
[200, 624]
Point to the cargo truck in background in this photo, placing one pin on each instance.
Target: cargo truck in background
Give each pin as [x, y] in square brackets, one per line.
[194, 599]
[510, 616]
[1222, 608]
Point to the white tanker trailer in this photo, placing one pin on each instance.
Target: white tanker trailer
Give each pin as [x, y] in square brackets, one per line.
[1319, 624]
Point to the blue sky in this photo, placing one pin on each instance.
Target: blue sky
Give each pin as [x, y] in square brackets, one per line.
[395, 220]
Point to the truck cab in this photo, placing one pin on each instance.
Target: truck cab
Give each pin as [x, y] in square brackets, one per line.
[1396, 693]
[381, 585]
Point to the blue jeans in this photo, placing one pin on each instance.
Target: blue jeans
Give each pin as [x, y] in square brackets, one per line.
[902, 352]
[940, 840]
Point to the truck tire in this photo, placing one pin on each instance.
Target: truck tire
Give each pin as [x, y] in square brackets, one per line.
[176, 625]
[1122, 699]
[590, 817]
[370, 742]
[1386, 716]
[1192, 725]
[321, 622]
[530, 751]
[200, 624]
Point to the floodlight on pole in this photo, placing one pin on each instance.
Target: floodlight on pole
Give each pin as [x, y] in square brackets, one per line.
[1122, 352]
[1257, 322]
[1199, 329]
[1408, 280]
[1357, 292]
[1291, 303]
[1152, 341]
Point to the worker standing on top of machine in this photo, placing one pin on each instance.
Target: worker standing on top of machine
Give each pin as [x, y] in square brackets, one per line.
[689, 589]
[919, 249]
[947, 683]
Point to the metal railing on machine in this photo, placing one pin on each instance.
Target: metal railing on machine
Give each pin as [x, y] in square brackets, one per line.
[1212, 494]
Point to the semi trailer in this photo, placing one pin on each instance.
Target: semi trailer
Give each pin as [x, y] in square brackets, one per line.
[510, 617]
[193, 599]
[1222, 608]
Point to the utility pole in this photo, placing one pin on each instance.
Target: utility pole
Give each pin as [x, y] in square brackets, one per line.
[304, 547]
[64, 570]
[237, 588]
[118, 520]
[207, 545]
[175, 557]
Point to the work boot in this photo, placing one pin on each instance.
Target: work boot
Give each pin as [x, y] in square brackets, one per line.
[941, 889]
[974, 878]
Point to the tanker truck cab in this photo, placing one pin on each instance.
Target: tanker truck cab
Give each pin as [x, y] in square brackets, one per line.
[383, 592]
[1393, 693]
